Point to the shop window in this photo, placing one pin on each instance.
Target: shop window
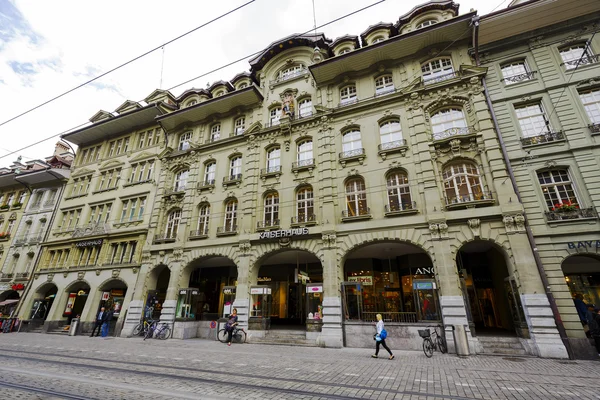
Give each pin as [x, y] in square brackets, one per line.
[384, 84]
[437, 70]
[462, 183]
[399, 198]
[356, 198]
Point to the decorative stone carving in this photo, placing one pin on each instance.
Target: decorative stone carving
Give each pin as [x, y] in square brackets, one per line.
[284, 242]
[90, 230]
[50, 277]
[178, 253]
[438, 230]
[245, 247]
[520, 222]
[36, 276]
[475, 225]
[286, 144]
[443, 227]
[80, 275]
[435, 231]
[550, 163]
[509, 223]
[329, 239]
[146, 255]
[134, 270]
[455, 145]
[65, 274]
[98, 272]
[115, 273]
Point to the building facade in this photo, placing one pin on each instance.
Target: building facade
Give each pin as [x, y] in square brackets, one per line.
[341, 179]
[543, 84]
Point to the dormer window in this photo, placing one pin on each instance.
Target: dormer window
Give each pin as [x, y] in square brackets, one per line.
[192, 103]
[184, 141]
[427, 22]
[378, 39]
[291, 72]
[219, 93]
[344, 51]
[242, 85]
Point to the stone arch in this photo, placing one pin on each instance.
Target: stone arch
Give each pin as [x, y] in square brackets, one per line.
[266, 250]
[44, 287]
[487, 233]
[179, 166]
[110, 280]
[349, 128]
[387, 118]
[352, 242]
[230, 252]
[444, 102]
[75, 283]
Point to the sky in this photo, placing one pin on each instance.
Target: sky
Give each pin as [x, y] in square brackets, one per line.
[49, 47]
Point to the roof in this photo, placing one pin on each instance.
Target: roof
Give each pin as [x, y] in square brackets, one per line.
[422, 8]
[345, 38]
[375, 27]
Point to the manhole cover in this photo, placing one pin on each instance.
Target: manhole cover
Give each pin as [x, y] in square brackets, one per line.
[515, 359]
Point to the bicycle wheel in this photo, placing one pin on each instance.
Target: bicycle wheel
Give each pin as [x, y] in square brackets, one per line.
[164, 333]
[138, 329]
[441, 345]
[240, 336]
[428, 347]
[222, 336]
[149, 333]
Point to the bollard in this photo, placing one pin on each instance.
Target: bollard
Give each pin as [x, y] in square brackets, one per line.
[74, 327]
[461, 342]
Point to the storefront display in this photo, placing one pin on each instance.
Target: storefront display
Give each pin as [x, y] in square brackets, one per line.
[186, 303]
[228, 299]
[314, 307]
[260, 312]
[113, 300]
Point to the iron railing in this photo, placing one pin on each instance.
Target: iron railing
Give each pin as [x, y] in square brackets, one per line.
[165, 238]
[586, 60]
[361, 212]
[544, 138]
[269, 223]
[206, 183]
[390, 316]
[594, 128]
[303, 219]
[352, 153]
[468, 198]
[308, 163]
[396, 207]
[561, 215]
[395, 144]
[349, 101]
[289, 76]
[232, 178]
[199, 233]
[519, 78]
[227, 230]
[271, 170]
[451, 132]
[29, 239]
[440, 78]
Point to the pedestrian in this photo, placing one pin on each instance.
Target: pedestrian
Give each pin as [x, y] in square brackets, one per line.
[581, 307]
[380, 338]
[106, 323]
[100, 318]
[230, 326]
[593, 323]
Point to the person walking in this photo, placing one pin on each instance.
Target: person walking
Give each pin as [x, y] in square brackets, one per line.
[100, 318]
[231, 323]
[106, 323]
[380, 338]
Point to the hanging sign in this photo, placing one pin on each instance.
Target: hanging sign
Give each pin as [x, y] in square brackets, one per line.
[423, 285]
[366, 280]
[263, 279]
[105, 296]
[229, 290]
[70, 302]
[314, 289]
[283, 233]
[117, 292]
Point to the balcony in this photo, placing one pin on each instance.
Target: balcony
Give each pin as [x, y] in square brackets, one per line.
[227, 230]
[385, 90]
[440, 78]
[165, 238]
[270, 171]
[303, 164]
[176, 191]
[237, 132]
[31, 239]
[585, 60]
[548, 137]
[594, 128]
[289, 76]
[356, 215]
[267, 224]
[199, 234]
[6, 277]
[469, 200]
[356, 154]
[347, 102]
[4, 236]
[392, 147]
[231, 179]
[207, 184]
[21, 275]
[527, 76]
[302, 219]
[570, 215]
[400, 209]
[454, 132]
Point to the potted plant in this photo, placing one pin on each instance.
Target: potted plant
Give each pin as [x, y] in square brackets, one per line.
[17, 205]
[4, 235]
[565, 207]
[4, 207]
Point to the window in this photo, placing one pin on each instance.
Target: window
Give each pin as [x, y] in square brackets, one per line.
[192, 103]
[348, 95]
[220, 93]
[203, 219]
[240, 126]
[448, 122]
[81, 185]
[356, 198]
[181, 180]
[398, 192]
[210, 170]
[142, 172]
[37, 199]
[133, 209]
[576, 55]
[384, 84]
[305, 153]
[235, 168]
[558, 189]
[100, 214]
[230, 221]
[305, 206]
[378, 39]
[243, 85]
[290, 72]
[111, 148]
[462, 183]
[21, 198]
[10, 226]
[390, 132]
[532, 120]
[274, 116]
[70, 219]
[173, 224]
[591, 103]
[344, 51]
[274, 160]
[305, 108]
[184, 140]
[351, 143]
[515, 72]
[90, 155]
[148, 138]
[215, 132]
[109, 179]
[51, 197]
[427, 22]
[272, 209]
[437, 70]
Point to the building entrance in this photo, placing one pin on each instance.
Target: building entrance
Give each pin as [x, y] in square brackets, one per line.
[582, 275]
[43, 301]
[77, 295]
[159, 278]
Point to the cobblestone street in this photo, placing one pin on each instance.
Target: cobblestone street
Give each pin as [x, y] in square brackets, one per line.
[37, 366]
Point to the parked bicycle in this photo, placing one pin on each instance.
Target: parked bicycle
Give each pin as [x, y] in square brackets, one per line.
[238, 335]
[433, 341]
[158, 330]
[142, 328]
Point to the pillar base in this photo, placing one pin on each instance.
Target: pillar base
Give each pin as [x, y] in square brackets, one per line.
[134, 317]
[331, 333]
[454, 312]
[542, 327]
[167, 314]
[242, 306]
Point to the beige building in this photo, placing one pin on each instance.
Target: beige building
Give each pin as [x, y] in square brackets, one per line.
[337, 180]
[543, 85]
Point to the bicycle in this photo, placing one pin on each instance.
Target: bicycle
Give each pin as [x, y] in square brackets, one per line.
[238, 335]
[158, 331]
[432, 341]
[142, 328]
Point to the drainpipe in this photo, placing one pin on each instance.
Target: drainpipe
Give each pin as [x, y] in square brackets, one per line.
[538, 261]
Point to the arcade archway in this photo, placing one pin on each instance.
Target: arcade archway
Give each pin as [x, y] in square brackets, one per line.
[43, 300]
[582, 275]
[77, 295]
[158, 284]
[112, 297]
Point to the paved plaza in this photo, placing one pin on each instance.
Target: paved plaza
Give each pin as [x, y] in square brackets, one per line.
[38, 366]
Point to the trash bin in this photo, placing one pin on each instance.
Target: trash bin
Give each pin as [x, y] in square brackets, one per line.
[461, 343]
[73, 330]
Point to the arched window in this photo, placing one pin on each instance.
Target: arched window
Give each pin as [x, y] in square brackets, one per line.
[448, 122]
[305, 107]
[274, 115]
[384, 84]
[351, 143]
[427, 22]
[356, 198]
[181, 178]
[462, 183]
[230, 219]
[242, 85]
[210, 170]
[271, 209]
[184, 140]
[172, 227]
[575, 55]
[215, 132]
[240, 125]
[203, 219]
[305, 205]
[348, 95]
[558, 190]
[398, 192]
[437, 70]
[305, 153]
[290, 72]
[191, 103]
[344, 51]
[235, 168]
[274, 160]
[390, 133]
[378, 39]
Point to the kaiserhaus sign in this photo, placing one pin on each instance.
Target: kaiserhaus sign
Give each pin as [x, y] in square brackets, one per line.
[283, 233]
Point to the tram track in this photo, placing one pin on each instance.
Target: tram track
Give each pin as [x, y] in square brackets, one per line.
[318, 386]
[31, 389]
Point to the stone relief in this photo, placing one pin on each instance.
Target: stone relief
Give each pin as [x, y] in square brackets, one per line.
[514, 223]
[329, 239]
[438, 230]
[475, 225]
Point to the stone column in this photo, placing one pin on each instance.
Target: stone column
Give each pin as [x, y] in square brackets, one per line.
[331, 332]
[135, 309]
[88, 314]
[170, 305]
[242, 293]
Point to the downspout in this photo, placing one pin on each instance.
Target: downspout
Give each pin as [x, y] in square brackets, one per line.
[538, 261]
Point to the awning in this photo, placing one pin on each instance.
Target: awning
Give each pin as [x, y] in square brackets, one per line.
[7, 302]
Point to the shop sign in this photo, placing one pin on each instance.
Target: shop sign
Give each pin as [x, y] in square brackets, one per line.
[117, 292]
[314, 289]
[425, 271]
[105, 296]
[366, 280]
[283, 233]
[423, 285]
[18, 286]
[213, 324]
[260, 290]
[70, 303]
[193, 292]
[89, 243]
[587, 244]
[263, 279]
[229, 291]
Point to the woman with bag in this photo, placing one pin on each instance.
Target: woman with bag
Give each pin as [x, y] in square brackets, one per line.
[380, 338]
[231, 323]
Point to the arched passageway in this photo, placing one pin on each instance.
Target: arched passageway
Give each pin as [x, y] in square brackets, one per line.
[43, 300]
[157, 291]
[582, 275]
[77, 295]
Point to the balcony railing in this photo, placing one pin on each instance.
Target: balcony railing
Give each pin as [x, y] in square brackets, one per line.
[547, 137]
[237, 132]
[29, 239]
[271, 170]
[201, 233]
[594, 128]
[308, 163]
[352, 153]
[347, 102]
[232, 178]
[206, 183]
[562, 215]
[288, 76]
[361, 212]
[266, 224]
[586, 60]
[304, 219]
[390, 316]
[440, 78]
[176, 190]
[21, 275]
[226, 230]
[165, 238]
[469, 198]
[509, 80]
[6, 277]
[385, 90]
[395, 144]
[400, 207]
[452, 132]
